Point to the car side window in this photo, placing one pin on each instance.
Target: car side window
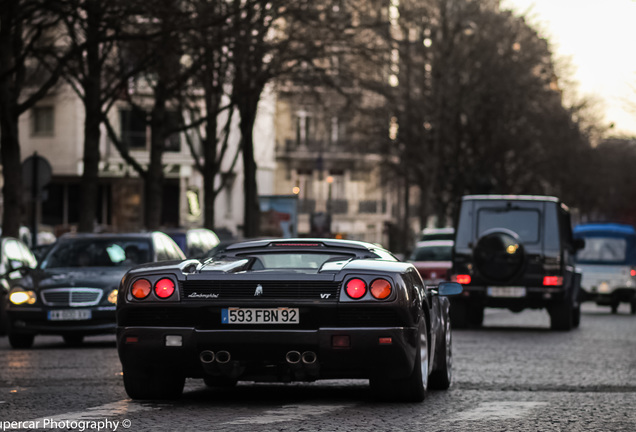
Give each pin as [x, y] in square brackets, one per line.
[160, 248]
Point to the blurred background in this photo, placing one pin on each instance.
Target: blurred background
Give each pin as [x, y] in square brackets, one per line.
[358, 119]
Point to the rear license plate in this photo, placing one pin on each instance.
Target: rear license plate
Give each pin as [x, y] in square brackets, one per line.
[510, 291]
[69, 315]
[280, 315]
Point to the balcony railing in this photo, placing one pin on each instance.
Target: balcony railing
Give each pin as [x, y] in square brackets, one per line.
[306, 206]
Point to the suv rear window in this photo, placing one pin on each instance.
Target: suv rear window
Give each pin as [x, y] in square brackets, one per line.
[525, 222]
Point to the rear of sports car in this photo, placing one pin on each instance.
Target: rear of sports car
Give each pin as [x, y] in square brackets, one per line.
[283, 317]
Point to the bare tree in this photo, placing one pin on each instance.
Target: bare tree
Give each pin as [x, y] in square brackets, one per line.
[30, 66]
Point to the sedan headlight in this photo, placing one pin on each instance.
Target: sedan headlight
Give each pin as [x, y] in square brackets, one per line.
[112, 297]
[19, 296]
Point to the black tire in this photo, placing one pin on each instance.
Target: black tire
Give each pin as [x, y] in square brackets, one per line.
[576, 317]
[561, 316]
[144, 384]
[442, 376]
[73, 340]
[18, 340]
[459, 314]
[475, 316]
[4, 316]
[615, 307]
[633, 306]
[219, 381]
[412, 388]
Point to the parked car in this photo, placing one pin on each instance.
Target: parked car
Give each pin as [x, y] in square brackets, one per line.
[608, 263]
[429, 234]
[15, 257]
[73, 291]
[196, 242]
[433, 259]
[516, 252]
[285, 310]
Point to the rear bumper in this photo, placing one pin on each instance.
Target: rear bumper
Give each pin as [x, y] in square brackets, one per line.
[535, 297]
[260, 354]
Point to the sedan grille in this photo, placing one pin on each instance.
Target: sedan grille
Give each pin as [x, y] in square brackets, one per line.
[310, 290]
[75, 297]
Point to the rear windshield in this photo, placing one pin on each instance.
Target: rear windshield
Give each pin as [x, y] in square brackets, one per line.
[94, 252]
[432, 253]
[524, 222]
[283, 260]
[603, 250]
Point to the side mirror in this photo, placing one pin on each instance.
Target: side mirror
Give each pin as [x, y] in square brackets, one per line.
[579, 244]
[449, 288]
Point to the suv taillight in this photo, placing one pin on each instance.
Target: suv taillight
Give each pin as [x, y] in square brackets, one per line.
[463, 279]
[552, 280]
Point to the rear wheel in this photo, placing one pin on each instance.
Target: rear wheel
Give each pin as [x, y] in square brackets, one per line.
[615, 307]
[475, 316]
[442, 376]
[561, 315]
[459, 314]
[412, 388]
[18, 340]
[151, 385]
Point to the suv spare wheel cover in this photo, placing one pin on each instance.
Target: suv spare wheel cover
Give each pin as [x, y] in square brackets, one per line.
[499, 254]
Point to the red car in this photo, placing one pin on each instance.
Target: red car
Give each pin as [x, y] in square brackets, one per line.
[433, 259]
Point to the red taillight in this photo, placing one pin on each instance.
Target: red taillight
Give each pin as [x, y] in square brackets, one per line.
[553, 280]
[463, 279]
[381, 289]
[141, 289]
[632, 272]
[356, 288]
[164, 288]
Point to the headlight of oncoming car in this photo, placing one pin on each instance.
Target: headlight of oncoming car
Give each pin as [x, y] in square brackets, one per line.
[19, 296]
[112, 297]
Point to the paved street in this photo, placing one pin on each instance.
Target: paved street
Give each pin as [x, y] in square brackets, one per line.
[513, 375]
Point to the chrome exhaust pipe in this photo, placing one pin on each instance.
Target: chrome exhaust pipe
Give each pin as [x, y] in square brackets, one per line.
[293, 358]
[206, 356]
[309, 358]
[310, 363]
[223, 357]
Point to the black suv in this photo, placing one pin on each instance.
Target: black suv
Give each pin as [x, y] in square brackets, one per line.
[515, 252]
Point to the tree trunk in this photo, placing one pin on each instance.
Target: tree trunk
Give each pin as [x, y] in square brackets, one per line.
[92, 105]
[251, 218]
[9, 138]
[210, 166]
[11, 165]
[154, 180]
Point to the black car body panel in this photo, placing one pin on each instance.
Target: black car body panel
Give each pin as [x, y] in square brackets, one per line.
[515, 252]
[341, 336]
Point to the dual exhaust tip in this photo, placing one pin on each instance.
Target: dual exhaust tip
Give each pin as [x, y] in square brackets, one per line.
[292, 357]
[295, 357]
[221, 357]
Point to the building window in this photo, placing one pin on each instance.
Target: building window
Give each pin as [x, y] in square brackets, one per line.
[43, 121]
[304, 128]
[133, 128]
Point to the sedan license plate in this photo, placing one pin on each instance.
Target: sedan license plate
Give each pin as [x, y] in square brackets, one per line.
[69, 315]
[281, 315]
[509, 291]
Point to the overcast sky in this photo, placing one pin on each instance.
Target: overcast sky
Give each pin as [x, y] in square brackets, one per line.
[599, 37]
